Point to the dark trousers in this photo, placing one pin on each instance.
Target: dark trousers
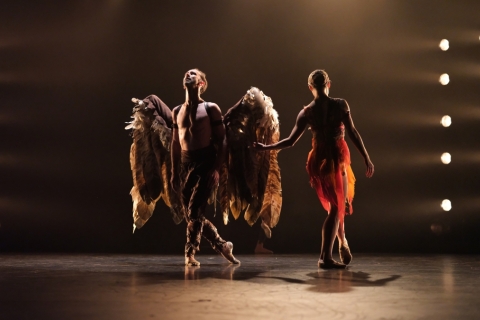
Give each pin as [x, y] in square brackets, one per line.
[195, 167]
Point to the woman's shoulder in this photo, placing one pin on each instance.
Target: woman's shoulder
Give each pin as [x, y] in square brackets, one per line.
[338, 101]
[310, 105]
[341, 103]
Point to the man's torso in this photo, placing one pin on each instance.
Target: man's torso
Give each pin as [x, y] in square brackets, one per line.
[194, 129]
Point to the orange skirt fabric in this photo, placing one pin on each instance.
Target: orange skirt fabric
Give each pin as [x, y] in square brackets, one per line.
[326, 166]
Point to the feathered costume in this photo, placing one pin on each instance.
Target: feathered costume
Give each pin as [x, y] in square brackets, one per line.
[329, 160]
[249, 181]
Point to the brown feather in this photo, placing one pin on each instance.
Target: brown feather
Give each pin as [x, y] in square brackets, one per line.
[253, 178]
[272, 203]
[147, 174]
[223, 193]
[141, 210]
[150, 160]
[263, 168]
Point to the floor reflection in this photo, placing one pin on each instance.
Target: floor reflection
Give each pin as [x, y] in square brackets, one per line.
[226, 273]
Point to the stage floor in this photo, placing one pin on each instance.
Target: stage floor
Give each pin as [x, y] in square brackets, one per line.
[262, 287]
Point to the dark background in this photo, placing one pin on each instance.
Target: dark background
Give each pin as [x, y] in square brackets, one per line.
[68, 70]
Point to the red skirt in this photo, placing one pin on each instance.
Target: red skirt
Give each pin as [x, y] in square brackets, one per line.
[326, 166]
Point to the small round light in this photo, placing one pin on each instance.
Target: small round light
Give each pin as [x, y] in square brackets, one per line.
[444, 79]
[446, 205]
[446, 121]
[444, 45]
[446, 158]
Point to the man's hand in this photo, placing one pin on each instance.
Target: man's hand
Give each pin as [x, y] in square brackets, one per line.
[214, 177]
[370, 168]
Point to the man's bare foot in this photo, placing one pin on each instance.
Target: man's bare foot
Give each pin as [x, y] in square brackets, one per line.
[190, 261]
[266, 229]
[331, 264]
[226, 252]
[259, 249]
[345, 254]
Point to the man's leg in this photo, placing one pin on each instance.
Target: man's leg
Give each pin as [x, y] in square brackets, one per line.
[218, 244]
[194, 220]
[194, 235]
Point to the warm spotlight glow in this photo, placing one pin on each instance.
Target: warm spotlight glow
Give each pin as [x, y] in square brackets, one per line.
[444, 45]
[446, 121]
[446, 205]
[444, 79]
[446, 158]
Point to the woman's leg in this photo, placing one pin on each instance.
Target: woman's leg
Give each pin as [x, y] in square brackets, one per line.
[344, 250]
[341, 233]
[329, 231]
[341, 225]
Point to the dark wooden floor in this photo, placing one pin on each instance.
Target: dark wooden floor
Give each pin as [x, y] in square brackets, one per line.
[262, 287]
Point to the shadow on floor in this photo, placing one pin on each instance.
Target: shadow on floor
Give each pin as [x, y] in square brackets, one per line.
[195, 273]
[338, 281]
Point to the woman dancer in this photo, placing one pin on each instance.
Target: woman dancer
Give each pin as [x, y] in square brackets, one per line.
[328, 163]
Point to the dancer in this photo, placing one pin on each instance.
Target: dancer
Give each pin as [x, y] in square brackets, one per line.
[328, 163]
[180, 157]
[198, 148]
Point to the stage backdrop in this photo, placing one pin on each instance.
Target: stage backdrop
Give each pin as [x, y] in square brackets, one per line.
[69, 69]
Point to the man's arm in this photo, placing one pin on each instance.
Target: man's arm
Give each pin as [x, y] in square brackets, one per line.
[220, 139]
[298, 130]
[356, 138]
[218, 134]
[175, 151]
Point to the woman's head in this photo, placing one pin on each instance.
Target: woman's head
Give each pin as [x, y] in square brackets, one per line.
[319, 79]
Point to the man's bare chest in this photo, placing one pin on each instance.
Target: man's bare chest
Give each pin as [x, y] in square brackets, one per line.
[191, 120]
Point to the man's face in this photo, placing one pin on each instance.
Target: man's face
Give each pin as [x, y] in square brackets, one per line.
[192, 79]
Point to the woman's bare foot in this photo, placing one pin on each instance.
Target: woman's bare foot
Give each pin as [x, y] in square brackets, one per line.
[345, 254]
[259, 249]
[190, 261]
[331, 264]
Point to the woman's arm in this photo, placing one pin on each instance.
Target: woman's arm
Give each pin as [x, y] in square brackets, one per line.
[356, 138]
[300, 126]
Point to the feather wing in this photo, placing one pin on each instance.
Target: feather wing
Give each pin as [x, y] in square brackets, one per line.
[272, 202]
[251, 182]
[150, 159]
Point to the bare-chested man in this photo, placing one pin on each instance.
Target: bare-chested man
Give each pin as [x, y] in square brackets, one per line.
[198, 151]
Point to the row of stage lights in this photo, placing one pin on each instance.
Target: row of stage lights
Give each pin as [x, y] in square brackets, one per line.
[446, 121]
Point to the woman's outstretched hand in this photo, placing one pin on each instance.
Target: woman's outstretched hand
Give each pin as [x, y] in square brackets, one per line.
[259, 146]
[370, 168]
